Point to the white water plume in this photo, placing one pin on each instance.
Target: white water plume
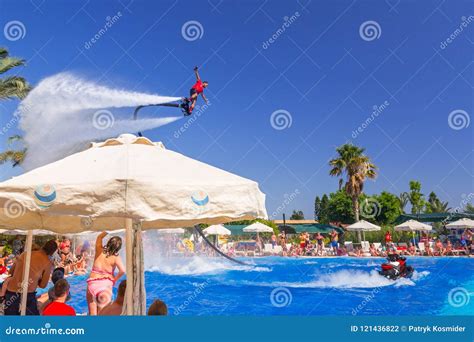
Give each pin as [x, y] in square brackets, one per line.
[65, 112]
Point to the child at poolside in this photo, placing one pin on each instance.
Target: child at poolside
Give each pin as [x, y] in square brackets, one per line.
[158, 308]
[58, 306]
[102, 277]
[115, 308]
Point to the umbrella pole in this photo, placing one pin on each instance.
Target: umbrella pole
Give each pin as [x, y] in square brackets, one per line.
[129, 264]
[26, 272]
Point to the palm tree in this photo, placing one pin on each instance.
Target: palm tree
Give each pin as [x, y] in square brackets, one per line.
[403, 199]
[439, 207]
[14, 156]
[357, 167]
[11, 86]
[469, 208]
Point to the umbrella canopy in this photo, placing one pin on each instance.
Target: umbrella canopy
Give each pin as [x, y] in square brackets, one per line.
[126, 177]
[171, 231]
[464, 223]
[217, 229]
[363, 226]
[258, 227]
[413, 226]
[127, 182]
[22, 232]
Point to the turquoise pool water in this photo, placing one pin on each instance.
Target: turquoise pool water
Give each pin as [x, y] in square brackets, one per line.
[304, 286]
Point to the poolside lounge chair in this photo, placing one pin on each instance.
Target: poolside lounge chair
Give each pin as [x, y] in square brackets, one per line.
[421, 247]
[267, 249]
[277, 249]
[349, 246]
[365, 246]
[377, 246]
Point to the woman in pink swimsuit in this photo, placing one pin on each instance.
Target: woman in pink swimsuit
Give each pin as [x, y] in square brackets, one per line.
[102, 278]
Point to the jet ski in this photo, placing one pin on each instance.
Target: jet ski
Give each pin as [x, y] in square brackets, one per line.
[396, 267]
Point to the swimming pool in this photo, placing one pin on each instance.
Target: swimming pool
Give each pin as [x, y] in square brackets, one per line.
[304, 286]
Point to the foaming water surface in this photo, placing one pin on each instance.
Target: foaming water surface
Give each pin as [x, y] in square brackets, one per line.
[301, 286]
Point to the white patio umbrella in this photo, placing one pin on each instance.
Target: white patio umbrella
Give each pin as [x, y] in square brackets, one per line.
[127, 182]
[413, 226]
[363, 226]
[258, 227]
[217, 229]
[464, 223]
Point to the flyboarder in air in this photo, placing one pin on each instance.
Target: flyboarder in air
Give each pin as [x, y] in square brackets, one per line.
[185, 104]
[197, 89]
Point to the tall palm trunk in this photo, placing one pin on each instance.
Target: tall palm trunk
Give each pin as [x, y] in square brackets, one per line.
[355, 206]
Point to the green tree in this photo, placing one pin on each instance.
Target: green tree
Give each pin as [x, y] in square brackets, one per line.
[389, 208]
[340, 208]
[435, 205]
[469, 208]
[317, 207]
[297, 215]
[12, 86]
[323, 213]
[416, 198]
[403, 199]
[357, 167]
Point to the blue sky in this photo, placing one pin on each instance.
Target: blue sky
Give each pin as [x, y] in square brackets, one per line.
[320, 69]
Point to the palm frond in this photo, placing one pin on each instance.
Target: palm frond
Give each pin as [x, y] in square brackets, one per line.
[14, 87]
[16, 157]
[3, 52]
[8, 63]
